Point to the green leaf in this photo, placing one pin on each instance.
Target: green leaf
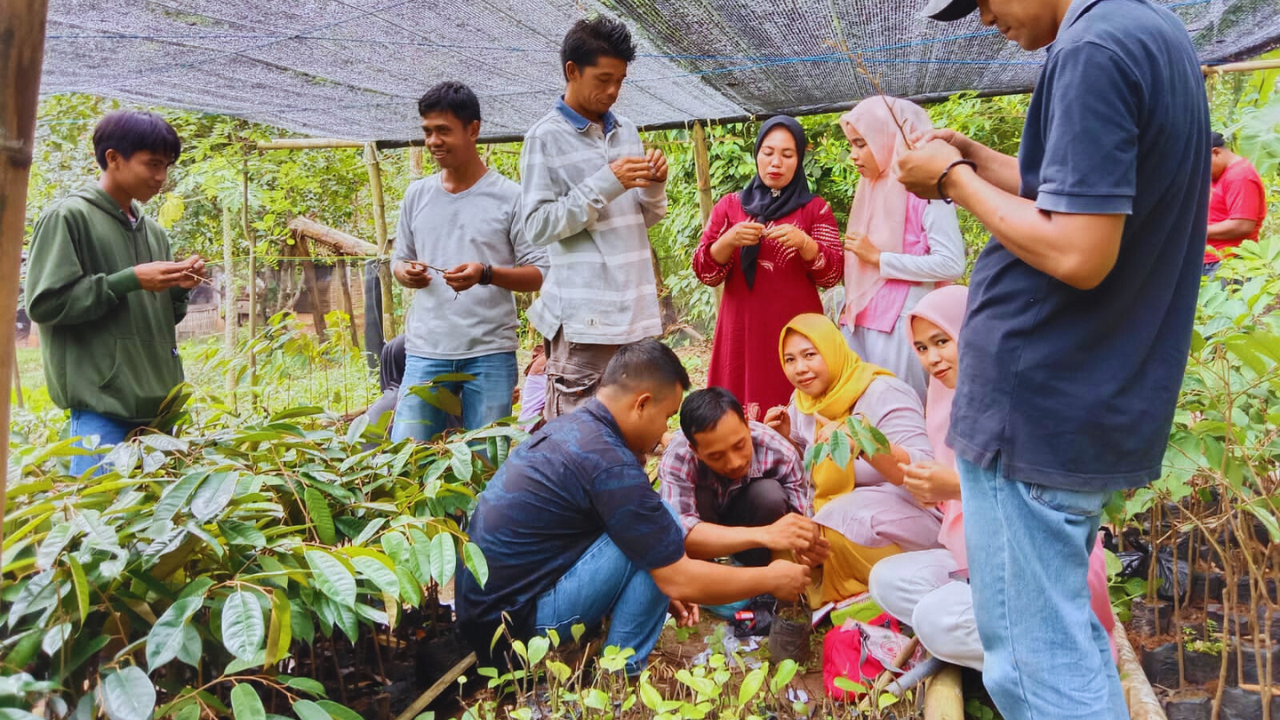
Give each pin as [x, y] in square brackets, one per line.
[339, 712]
[279, 630]
[192, 649]
[840, 451]
[54, 543]
[356, 431]
[473, 557]
[166, 637]
[368, 532]
[297, 412]
[214, 494]
[443, 557]
[538, 647]
[242, 627]
[410, 588]
[381, 575]
[420, 562]
[306, 685]
[332, 577]
[308, 710]
[396, 547]
[81, 586]
[786, 671]
[751, 685]
[886, 699]
[175, 496]
[321, 516]
[649, 695]
[128, 695]
[461, 462]
[241, 533]
[850, 686]
[246, 704]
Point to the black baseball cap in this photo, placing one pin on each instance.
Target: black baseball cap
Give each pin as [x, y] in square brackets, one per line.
[948, 10]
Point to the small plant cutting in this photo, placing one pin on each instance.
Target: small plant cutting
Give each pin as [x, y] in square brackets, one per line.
[854, 433]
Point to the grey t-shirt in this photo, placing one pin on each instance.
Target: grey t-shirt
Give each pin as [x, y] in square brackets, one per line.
[444, 230]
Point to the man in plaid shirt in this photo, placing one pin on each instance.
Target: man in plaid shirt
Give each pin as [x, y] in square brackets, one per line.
[590, 192]
[738, 486]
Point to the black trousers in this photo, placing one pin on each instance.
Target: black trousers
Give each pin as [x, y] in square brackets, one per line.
[760, 503]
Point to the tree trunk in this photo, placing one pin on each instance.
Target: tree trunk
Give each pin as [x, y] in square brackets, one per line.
[312, 286]
[231, 309]
[22, 27]
[336, 240]
[347, 306]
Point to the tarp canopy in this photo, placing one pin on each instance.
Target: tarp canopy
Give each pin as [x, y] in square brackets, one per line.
[354, 68]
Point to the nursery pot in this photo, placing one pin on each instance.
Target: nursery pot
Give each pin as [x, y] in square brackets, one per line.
[789, 640]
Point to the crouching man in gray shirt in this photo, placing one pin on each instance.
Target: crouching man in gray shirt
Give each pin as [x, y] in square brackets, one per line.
[460, 244]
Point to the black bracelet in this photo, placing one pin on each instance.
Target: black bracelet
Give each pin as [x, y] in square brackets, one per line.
[486, 274]
[943, 177]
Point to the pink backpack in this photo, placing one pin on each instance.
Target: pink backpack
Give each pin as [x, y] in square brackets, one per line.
[860, 652]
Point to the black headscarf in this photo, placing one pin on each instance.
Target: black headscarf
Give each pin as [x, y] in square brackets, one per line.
[759, 201]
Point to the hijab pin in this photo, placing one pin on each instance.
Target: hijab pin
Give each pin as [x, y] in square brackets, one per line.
[775, 192]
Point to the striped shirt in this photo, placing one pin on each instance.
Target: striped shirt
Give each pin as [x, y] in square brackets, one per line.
[773, 457]
[601, 287]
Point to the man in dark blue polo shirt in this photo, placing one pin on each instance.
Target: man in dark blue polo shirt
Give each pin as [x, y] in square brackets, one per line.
[1078, 327]
[573, 531]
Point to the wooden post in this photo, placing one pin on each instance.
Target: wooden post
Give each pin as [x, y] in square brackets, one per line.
[21, 52]
[348, 307]
[943, 697]
[253, 256]
[17, 379]
[702, 168]
[230, 306]
[339, 242]
[415, 163]
[312, 286]
[380, 227]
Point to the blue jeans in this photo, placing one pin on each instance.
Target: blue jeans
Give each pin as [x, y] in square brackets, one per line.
[110, 431]
[484, 400]
[1046, 654]
[604, 583]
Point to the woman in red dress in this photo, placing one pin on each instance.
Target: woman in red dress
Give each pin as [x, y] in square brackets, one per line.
[772, 245]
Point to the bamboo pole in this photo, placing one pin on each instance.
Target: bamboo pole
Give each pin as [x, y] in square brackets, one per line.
[22, 27]
[943, 696]
[434, 691]
[229, 304]
[1138, 694]
[1241, 67]
[17, 379]
[253, 257]
[702, 167]
[415, 162]
[380, 227]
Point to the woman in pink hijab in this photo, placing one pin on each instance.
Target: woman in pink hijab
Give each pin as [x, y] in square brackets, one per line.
[928, 589]
[898, 247]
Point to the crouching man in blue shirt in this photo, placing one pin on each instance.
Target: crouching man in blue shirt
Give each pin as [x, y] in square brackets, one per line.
[573, 531]
[1079, 322]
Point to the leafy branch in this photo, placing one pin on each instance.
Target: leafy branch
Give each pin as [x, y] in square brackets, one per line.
[855, 433]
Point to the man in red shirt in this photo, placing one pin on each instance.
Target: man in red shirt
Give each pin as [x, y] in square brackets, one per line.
[1237, 204]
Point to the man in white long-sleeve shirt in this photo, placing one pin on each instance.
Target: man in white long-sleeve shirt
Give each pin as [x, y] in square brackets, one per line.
[589, 193]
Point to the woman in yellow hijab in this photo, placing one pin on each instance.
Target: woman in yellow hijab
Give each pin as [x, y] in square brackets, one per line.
[864, 511]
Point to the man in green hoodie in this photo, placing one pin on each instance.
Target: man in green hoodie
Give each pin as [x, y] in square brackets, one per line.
[105, 291]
